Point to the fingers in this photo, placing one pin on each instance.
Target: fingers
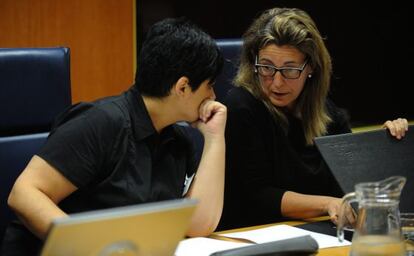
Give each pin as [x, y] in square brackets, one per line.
[205, 110]
[333, 209]
[212, 119]
[334, 218]
[209, 108]
[397, 127]
[349, 216]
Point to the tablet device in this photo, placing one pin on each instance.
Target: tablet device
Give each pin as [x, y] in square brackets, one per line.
[144, 229]
[370, 156]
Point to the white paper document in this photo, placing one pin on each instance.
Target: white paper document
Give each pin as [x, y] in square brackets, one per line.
[202, 246]
[280, 232]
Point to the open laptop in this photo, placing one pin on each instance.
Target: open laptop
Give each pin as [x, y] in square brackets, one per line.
[146, 229]
[371, 156]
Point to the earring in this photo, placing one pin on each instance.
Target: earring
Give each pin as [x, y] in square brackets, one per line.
[310, 76]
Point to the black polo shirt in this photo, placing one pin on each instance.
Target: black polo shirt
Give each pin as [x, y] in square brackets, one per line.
[111, 152]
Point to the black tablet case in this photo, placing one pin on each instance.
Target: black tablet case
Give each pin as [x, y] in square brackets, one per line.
[371, 156]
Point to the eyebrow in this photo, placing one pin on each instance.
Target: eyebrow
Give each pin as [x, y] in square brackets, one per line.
[286, 63]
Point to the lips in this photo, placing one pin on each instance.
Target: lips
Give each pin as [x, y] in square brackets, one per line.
[279, 94]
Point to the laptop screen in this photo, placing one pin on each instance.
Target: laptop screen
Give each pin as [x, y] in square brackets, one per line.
[371, 156]
[144, 229]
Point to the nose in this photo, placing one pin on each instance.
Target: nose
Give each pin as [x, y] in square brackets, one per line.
[213, 95]
[278, 79]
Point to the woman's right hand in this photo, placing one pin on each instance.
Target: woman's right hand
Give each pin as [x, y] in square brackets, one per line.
[333, 209]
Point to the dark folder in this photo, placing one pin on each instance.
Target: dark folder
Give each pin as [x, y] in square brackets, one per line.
[371, 156]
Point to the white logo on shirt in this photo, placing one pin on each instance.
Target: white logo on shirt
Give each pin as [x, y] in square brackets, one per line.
[187, 183]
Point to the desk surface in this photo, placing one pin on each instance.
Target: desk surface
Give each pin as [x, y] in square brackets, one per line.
[335, 251]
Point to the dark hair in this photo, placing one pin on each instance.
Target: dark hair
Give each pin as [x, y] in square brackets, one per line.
[174, 48]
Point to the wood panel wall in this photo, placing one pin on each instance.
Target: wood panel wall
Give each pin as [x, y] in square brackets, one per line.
[100, 34]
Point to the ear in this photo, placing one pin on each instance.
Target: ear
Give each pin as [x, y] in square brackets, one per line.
[181, 87]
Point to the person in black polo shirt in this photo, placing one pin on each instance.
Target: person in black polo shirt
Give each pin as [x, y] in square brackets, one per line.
[128, 149]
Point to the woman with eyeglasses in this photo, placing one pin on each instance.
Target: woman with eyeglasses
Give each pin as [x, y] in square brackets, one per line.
[279, 105]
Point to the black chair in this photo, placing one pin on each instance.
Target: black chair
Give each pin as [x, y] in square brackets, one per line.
[231, 49]
[34, 88]
[15, 153]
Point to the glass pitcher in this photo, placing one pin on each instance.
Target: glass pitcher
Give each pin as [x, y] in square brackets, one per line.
[377, 230]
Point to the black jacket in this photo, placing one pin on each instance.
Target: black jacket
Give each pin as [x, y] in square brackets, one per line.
[263, 162]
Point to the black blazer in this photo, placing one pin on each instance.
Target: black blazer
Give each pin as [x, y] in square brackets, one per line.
[263, 161]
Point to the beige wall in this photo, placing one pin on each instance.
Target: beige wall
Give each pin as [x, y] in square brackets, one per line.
[100, 34]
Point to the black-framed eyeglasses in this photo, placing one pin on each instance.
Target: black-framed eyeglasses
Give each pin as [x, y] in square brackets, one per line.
[287, 72]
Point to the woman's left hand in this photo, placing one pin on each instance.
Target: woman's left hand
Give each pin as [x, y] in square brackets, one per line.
[397, 127]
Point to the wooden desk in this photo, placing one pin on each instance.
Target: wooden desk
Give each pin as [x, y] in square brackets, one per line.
[334, 251]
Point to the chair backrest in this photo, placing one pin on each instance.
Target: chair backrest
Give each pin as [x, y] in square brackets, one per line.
[15, 153]
[34, 88]
[231, 49]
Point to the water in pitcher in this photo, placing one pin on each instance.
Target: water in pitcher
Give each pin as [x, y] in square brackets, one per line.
[377, 230]
[407, 227]
[408, 233]
[377, 245]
